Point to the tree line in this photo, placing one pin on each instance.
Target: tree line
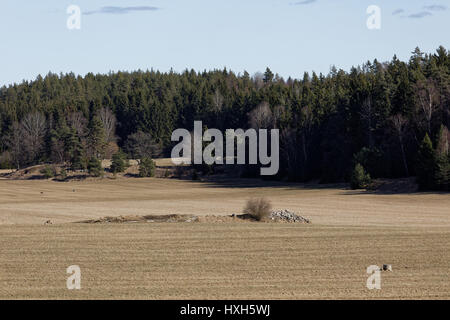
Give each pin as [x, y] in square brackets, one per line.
[388, 119]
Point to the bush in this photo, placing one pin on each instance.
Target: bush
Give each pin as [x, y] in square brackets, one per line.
[147, 168]
[259, 209]
[63, 174]
[119, 163]
[372, 160]
[95, 167]
[48, 172]
[360, 179]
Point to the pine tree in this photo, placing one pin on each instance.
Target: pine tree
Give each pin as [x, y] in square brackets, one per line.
[78, 159]
[425, 164]
[147, 168]
[119, 163]
[360, 179]
[96, 138]
[95, 167]
[268, 76]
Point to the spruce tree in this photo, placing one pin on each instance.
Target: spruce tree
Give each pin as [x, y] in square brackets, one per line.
[360, 178]
[119, 163]
[96, 137]
[95, 167]
[425, 164]
[147, 168]
[268, 76]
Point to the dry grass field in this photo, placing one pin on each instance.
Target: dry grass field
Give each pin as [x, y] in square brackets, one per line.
[327, 259]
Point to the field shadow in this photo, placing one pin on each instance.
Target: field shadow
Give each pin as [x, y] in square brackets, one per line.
[248, 183]
[384, 187]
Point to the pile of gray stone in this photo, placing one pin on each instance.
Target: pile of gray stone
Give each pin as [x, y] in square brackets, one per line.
[287, 216]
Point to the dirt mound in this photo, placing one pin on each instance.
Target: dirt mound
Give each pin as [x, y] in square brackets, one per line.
[276, 216]
[29, 173]
[137, 219]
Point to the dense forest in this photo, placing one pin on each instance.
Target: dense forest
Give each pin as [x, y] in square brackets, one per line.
[383, 119]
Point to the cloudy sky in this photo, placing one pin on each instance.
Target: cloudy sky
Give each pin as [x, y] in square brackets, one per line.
[289, 36]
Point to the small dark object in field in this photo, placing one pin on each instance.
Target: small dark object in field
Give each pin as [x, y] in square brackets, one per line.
[387, 267]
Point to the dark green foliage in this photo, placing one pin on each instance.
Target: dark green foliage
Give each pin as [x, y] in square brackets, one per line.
[360, 179]
[78, 159]
[95, 167]
[323, 119]
[442, 173]
[372, 160]
[147, 168]
[425, 165]
[268, 76]
[48, 172]
[96, 138]
[63, 174]
[119, 163]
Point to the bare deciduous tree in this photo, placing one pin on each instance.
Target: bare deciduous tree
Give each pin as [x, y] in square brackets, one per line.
[400, 123]
[14, 143]
[277, 114]
[261, 116]
[141, 145]
[258, 79]
[33, 127]
[109, 124]
[217, 101]
[57, 151]
[442, 147]
[77, 121]
[428, 98]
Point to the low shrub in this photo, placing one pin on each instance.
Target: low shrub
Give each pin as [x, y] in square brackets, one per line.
[95, 167]
[259, 209]
[360, 179]
[48, 172]
[147, 168]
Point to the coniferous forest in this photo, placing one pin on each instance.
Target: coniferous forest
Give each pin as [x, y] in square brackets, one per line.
[381, 119]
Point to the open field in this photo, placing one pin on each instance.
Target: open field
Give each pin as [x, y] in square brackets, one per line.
[36, 201]
[328, 259]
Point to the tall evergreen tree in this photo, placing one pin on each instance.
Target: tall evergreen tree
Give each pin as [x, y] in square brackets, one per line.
[96, 138]
[425, 164]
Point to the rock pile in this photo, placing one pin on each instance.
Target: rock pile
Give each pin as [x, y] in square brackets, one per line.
[287, 216]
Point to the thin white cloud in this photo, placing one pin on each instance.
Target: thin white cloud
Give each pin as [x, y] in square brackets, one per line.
[435, 7]
[420, 15]
[121, 10]
[398, 11]
[300, 3]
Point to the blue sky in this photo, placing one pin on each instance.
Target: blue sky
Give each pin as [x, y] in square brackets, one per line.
[289, 36]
